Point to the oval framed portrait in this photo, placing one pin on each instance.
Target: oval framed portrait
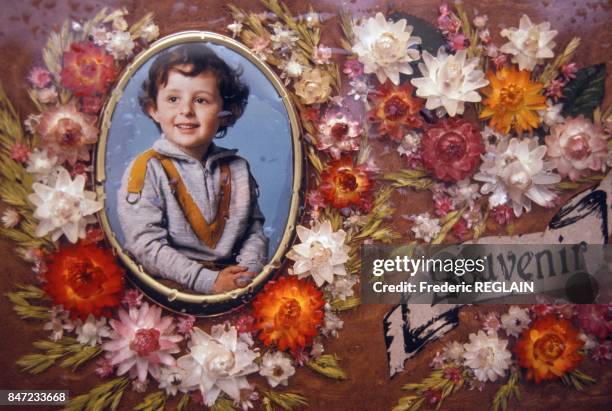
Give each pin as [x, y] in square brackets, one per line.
[199, 164]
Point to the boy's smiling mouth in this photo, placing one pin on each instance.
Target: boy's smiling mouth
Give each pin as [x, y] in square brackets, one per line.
[187, 126]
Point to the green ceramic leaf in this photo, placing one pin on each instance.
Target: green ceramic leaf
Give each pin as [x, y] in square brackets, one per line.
[586, 92]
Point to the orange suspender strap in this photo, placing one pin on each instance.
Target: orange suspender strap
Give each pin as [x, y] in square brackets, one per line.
[209, 234]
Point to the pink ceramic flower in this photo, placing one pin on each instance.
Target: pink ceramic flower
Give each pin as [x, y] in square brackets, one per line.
[595, 319]
[338, 133]
[577, 147]
[20, 152]
[39, 77]
[67, 133]
[142, 340]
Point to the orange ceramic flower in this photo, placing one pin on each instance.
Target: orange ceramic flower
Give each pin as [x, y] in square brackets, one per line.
[344, 184]
[288, 313]
[87, 69]
[512, 100]
[549, 348]
[395, 109]
[84, 279]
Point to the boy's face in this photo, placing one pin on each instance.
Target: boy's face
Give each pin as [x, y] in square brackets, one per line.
[187, 110]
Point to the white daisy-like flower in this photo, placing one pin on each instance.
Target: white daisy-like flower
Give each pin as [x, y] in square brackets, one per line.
[10, 218]
[41, 165]
[100, 36]
[277, 368]
[59, 321]
[331, 324]
[464, 192]
[360, 90]
[342, 287]
[425, 227]
[321, 253]
[283, 38]
[515, 170]
[410, 144]
[589, 341]
[552, 114]
[217, 363]
[449, 81]
[487, 356]
[454, 351]
[529, 44]
[150, 32]
[120, 45]
[515, 321]
[385, 47]
[235, 28]
[171, 379]
[65, 208]
[92, 331]
[292, 68]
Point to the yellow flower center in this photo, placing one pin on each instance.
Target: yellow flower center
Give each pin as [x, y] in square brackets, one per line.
[346, 181]
[533, 40]
[549, 347]
[84, 278]
[288, 313]
[511, 96]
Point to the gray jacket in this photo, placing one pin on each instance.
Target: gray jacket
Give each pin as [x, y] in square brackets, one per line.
[159, 236]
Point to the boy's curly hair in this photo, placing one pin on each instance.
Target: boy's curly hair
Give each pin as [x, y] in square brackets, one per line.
[200, 58]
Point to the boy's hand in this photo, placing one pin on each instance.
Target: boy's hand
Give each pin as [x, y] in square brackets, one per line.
[230, 278]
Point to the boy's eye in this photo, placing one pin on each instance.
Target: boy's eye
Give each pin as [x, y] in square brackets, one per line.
[173, 99]
[200, 100]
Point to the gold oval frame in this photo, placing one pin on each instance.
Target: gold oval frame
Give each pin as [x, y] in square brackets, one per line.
[175, 300]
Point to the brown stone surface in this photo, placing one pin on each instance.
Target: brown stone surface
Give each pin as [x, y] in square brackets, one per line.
[25, 25]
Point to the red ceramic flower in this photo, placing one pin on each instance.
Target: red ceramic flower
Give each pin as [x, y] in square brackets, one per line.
[87, 69]
[394, 110]
[84, 279]
[344, 184]
[452, 149]
[288, 313]
[549, 348]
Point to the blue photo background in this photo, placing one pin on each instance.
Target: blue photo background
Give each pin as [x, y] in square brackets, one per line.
[262, 136]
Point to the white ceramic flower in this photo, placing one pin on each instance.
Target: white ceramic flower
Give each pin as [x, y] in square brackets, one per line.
[552, 114]
[92, 331]
[321, 253]
[235, 27]
[41, 164]
[171, 379]
[529, 44]
[217, 363]
[515, 321]
[64, 209]
[331, 324]
[449, 81]
[487, 356]
[120, 45]
[150, 32]
[10, 218]
[384, 47]
[342, 287]
[277, 368]
[454, 351]
[425, 227]
[516, 171]
[59, 321]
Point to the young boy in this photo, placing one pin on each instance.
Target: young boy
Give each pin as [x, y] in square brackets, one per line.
[187, 207]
